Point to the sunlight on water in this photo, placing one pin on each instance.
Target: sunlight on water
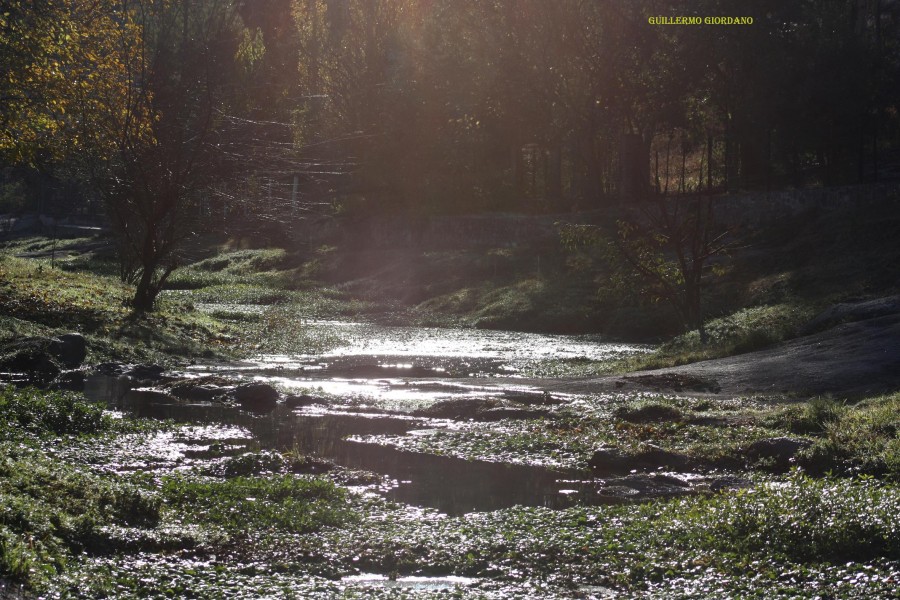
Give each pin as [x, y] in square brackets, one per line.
[475, 343]
[412, 582]
[406, 368]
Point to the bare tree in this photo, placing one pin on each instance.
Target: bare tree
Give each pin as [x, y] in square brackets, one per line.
[670, 245]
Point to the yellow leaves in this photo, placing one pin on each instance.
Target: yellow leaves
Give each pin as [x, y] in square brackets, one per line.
[63, 67]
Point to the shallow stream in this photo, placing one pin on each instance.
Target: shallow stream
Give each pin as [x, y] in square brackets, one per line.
[370, 385]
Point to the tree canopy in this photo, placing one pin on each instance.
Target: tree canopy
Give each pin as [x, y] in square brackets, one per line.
[411, 107]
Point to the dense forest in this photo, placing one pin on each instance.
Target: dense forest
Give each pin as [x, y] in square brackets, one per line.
[166, 115]
[442, 106]
[439, 298]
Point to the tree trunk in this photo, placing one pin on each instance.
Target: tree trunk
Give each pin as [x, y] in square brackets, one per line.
[146, 292]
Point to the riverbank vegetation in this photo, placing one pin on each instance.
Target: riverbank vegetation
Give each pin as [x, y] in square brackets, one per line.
[232, 296]
[207, 208]
[180, 526]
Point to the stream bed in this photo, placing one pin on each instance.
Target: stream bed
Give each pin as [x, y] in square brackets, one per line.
[373, 382]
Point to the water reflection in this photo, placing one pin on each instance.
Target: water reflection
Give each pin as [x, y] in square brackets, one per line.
[451, 485]
[397, 369]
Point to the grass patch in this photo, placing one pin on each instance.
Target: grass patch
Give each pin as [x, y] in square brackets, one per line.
[38, 299]
[59, 413]
[287, 502]
[746, 330]
[783, 538]
[50, 510]
[43, 414]
[859, 439]
[707, 430]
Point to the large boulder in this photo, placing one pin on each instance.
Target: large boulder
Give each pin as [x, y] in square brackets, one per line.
[31, 357]
[110, 369]
[197, 393]
[70, 349]
[208, 388]
[256, 397]
[145, 373]
[609, 460]
[458, 409]
[301, 400]
[72, 381]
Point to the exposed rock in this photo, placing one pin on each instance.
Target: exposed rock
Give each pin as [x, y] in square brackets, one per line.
[69, 380]
[256, 397]
[677, 382]
[41, 357]
[654, 457]
[110, 369]
[458, 409]
[479, 409]
[301, 400]
[776, 454]
[30, 356]
[532, 398]
[70, 349]
[609, 459]
[144, 397]
[197, 393]
[845, 312]
[145, 372]
[650, 413]
[612, 460]
[641, 485]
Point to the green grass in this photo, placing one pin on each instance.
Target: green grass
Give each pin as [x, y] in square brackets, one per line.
[860, 439]
[48, 414]
[708, 430]
[283, 502]
[38, 299]
[67, 525]
[733, 544]
[59, 413]
[50, 509]
[746, 330]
